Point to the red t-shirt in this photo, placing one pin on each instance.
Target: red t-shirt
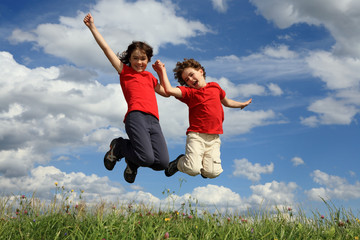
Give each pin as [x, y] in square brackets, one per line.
[206, 113]
[138, 90]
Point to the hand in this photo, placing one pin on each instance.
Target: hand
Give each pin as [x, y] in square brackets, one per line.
[88, 20]
[246, 103]
[158, 66]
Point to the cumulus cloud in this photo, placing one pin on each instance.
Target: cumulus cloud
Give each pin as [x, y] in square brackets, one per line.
[273, 193]
[334, 17]
[242, 121]
[334, 187]
[297, 161]
[251, 171]
[330, 111]
[220, 5]
[275, 62]
[70, 39]
[338, 69]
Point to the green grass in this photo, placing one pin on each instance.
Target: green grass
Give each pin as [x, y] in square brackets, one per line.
[24, 217]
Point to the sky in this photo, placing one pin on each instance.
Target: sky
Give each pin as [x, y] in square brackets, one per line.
[295, 145]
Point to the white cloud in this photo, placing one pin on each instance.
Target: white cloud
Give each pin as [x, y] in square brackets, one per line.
[297, 161]
[156, 22]
[275, 90]
[337, 72]
[271, 62]
[335, 187]
[41, 181]
[273, 193]
[220, 5]
[280, 51]
[242, 121]
[341, 18]
[330, 111]
[251, 171]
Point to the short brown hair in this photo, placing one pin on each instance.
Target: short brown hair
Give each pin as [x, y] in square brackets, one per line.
[181, 66]
[125, 56]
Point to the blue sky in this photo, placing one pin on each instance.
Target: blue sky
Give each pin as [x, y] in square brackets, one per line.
[61, 103]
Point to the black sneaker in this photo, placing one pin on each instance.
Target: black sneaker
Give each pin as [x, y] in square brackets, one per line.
[110, 158]
[203, 176]
[172, 168]
[130, 173]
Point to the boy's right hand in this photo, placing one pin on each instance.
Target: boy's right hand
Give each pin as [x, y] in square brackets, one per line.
[88, 20]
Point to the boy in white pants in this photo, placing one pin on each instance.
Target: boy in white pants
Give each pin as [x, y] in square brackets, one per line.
[206, 115]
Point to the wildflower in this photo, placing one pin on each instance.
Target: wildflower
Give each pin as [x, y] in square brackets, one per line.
[289, 209]
[358, 221]
[72, 190]
[322, 217]
[190, 217]
[252, 230]
[34, 220]
[228, 219]
[56, 183]
[23, 196]
[25, 212]
[82, 191]
[341, 223]
[244, 220]
[167, 219]
[356, 238]
[166, 235]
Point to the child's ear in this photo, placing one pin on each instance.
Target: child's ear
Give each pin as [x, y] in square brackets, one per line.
[202, 72]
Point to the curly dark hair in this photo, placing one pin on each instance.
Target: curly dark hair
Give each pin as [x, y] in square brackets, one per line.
[125, 56]
[181, 66]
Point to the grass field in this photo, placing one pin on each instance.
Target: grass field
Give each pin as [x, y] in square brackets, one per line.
[27, 217]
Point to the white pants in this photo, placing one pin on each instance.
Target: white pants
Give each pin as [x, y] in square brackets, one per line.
[202, 155]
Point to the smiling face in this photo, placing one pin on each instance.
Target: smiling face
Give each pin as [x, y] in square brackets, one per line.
[194, 78]
[138, 60]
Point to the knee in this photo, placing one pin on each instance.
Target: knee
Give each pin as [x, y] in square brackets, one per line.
[192, 171]
[146, 160]
[211, 174]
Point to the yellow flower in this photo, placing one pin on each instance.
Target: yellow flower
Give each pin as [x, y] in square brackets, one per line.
[356, 238]
[72, 190]
[56, 183]
[167, 219]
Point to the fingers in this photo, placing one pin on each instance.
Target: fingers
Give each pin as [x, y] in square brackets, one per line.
[87, 18]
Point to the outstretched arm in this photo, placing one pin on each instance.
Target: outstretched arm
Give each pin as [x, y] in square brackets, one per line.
[234, 104]
[114, 60]
[160, 69]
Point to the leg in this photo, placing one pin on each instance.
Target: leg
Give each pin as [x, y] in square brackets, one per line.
[191, 164]
[211, 161]
[159, 146]
[138, 150]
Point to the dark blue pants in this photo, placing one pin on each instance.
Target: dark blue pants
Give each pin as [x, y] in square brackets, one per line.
[146, 146]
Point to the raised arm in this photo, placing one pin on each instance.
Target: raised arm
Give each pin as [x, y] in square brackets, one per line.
[160, 69]
[234, 104]
[114, 60]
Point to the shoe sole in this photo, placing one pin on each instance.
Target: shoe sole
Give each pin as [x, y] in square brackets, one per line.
[109, 165]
